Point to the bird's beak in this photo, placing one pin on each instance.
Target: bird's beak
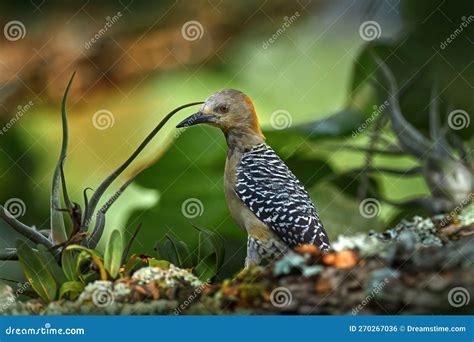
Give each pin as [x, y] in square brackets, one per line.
[195, 119]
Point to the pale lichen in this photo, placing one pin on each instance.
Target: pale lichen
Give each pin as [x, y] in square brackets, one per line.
[367, 245]
[423, 229]
[167, 278]
[7, 296]
[103, 293]
[408, 233]
[287, 263]
[467, 215]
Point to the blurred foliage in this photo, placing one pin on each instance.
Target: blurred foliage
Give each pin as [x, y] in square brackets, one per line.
[423, 54]
[142, 67]
[206, 263]
[192, 168]
[63, 261]
[52, 280]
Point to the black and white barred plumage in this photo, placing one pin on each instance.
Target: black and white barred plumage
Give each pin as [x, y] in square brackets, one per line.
[273, 193]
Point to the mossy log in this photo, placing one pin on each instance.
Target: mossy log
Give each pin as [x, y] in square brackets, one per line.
[418, 267]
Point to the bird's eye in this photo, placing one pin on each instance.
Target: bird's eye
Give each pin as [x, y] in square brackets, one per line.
[223, 108]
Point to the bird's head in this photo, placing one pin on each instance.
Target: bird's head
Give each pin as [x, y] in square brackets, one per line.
[230, 110]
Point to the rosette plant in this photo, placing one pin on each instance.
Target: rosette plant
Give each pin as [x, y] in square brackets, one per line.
[61, 261]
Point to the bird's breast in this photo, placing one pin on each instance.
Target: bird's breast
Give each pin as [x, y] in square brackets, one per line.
[244, 217]
[234, 203]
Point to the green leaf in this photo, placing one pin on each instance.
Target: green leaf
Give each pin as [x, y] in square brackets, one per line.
[90, 252]
[95, 256]
[83, 270]
[209, 244]
[58, 229]
[165, 264]
[133, 263]
[49, 260]
[113, 253]
[128, 246]
[68, 263]
[189, 259]
[165, 251]
[210, 255]
[36, 272]
[207, 268]
[73, 288]
[181, 251]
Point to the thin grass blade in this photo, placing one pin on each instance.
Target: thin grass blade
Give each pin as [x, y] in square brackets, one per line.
[129, 243]
[113, 253]
[58, 229]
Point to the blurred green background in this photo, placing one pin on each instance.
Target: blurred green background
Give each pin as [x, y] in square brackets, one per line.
[300, 57]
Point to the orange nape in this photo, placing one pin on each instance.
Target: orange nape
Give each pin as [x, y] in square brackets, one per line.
[256, 125]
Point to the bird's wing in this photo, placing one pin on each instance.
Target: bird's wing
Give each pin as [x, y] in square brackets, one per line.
[273, 193]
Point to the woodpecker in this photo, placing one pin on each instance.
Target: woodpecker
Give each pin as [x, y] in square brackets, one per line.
[264, 197]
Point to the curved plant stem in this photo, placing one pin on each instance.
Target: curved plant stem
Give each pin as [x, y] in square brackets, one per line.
[8, 255]
[24, 230]
[130, 243]
[90, 209]
[67, 200]
[408, 136]
[58, 229]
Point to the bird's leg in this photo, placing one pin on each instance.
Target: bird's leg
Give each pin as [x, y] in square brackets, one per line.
[253, 255]
[259, 250]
